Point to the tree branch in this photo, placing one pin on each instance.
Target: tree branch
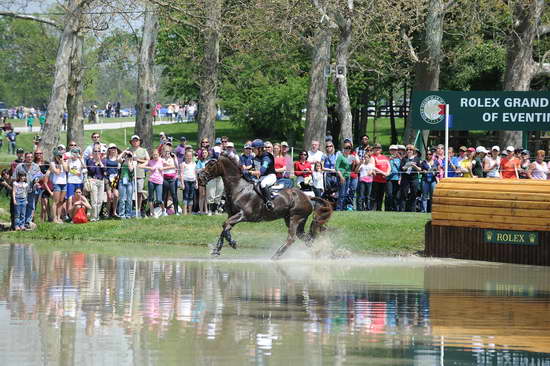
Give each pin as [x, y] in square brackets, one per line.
[30, 17]
[407, 40]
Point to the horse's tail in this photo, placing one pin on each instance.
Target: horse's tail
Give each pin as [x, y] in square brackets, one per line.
[322, 211]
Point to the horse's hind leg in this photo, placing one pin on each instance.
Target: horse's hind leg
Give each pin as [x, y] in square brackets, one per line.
[302, 235]
[293, 225]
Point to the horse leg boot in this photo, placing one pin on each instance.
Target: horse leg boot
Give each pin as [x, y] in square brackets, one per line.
[228, 225]
[219, 245]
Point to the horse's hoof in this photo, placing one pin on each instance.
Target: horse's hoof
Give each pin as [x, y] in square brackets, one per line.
[215, 254]
[233, 244]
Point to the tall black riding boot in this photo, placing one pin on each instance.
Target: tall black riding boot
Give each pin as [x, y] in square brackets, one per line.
[266, 193]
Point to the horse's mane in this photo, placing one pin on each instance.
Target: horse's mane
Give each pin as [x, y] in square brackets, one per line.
[232, 162]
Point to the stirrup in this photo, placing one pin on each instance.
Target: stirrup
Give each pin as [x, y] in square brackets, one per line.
[269, 205]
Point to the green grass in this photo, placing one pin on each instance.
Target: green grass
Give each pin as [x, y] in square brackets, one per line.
[359, 232]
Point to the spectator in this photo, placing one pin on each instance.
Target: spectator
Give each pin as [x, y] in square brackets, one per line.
[189, 182]
[401, 151]
[477, 163]
[205, 145]
[20, 197]
[126, 184]
[288, 158]
[453, 166]
[6, 185]
[44, 191]
[156, 168]
[525, 163]
[30, 121]
[75, 175]
[247, 161]
[18, 159]
[280, 167]
[112, 179]
[461, 153]
[360, 150]
[539, 168]
[382, 169]
[11, 136]
[491, 163]
[96, 139]
[410, 167]
[466, 163]
[332, 180]
[354, 178]
[366, 174]
[96, 174]
[170, 179]
[180, 149]
[58, 177]
[430, 171]
[232, 154]
[141, 156]
[33, 174]
[201, 194]
[509, 165]
[318, 182]
[392, 190]
[42, 120]
[314, 155]
[79, 207]
[343, 166]
[1, 138]
[303, 170]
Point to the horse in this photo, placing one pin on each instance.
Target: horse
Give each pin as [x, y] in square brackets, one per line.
[245, 204]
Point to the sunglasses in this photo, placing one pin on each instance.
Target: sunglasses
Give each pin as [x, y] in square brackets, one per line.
[224, 141]
[330, 145]
[72, 144]
[97, 151]
[303, 154]
[95, 137]
[410, 149]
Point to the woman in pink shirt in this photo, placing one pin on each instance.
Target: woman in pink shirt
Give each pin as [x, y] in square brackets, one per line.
[155, 166]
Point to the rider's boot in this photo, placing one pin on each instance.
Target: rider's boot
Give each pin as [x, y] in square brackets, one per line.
[266, 193]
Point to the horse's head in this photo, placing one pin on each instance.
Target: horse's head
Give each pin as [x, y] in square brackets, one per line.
[210, 171]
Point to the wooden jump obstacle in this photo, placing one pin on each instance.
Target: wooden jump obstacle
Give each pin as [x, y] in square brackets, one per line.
[497, 220]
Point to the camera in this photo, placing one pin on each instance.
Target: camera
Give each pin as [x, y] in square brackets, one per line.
[129, 154]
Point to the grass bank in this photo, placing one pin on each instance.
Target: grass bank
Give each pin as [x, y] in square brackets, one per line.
[359, 232]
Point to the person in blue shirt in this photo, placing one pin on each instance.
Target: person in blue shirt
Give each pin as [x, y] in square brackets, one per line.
[247, 161]
[453, 166]
[392, 190]
[266, 172]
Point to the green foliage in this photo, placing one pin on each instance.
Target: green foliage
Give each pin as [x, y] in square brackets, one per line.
[27, 62]
[265, 97]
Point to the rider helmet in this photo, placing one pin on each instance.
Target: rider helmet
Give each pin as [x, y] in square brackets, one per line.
[257, 143]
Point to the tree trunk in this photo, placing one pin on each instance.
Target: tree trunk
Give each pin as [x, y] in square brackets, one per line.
[362, 124]
[520, 67]
[146, 89]
[58, 97]
[342, 57]
[316, 115]
[75, 104]
[428, 67]
[392, 118]
[209, 71]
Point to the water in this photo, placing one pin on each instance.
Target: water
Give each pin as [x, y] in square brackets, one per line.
[70, 308]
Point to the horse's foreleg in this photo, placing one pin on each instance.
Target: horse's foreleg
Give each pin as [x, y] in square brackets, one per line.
[228, 225]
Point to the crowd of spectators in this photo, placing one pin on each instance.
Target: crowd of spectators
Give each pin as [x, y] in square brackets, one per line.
[104, 181]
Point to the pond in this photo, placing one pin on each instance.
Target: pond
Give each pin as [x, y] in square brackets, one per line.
[72, 308]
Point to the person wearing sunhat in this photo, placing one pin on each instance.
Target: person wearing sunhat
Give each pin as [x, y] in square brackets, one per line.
[509, 165]
[140, 156]
[477, 163]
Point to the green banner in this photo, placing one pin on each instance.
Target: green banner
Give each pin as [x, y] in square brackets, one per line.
[511, 237]
[482, 110]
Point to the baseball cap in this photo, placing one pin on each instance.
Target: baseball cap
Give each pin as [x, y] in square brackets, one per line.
[162, 134]
[377, 146]
[113, 146]
[284, 143]
[525, 152]
[401, 147]
[471, 149]
[135, 137]
[463, 148]
[230, 144]
[393, 147]
[481, 149]
[497, 148]
[347, 140]
[247, 146]
[183, 138]
[19, 150]
[61, 146]
[510, 148]
[328, 138]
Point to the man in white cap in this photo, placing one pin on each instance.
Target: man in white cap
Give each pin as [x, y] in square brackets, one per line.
[509, 165]
[141, 156]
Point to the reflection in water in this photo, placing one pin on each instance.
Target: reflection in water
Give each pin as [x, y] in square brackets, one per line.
[81, 309]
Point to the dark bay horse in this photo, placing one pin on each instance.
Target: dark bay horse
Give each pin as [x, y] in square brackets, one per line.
[244, 204]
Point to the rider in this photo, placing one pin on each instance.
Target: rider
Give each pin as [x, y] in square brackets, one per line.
[266, 172]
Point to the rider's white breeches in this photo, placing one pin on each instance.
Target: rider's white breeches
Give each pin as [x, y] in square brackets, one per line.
[268, 180]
